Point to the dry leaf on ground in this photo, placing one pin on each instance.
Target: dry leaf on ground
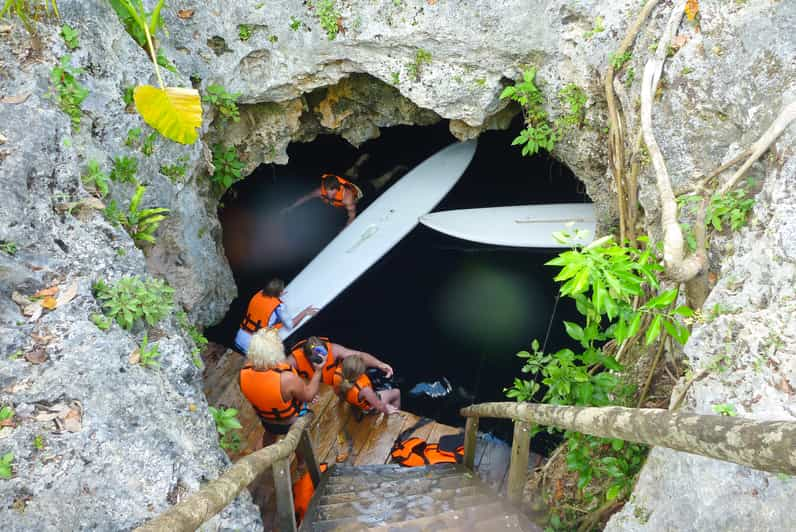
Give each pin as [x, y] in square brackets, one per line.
[37, 356]
[185, 13]
[67, 295]
[135, 356]
[19, 98]
[48, 413]
[48, 302]
[44, 292]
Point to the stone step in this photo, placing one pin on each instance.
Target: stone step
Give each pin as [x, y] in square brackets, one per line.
[353, 485]
[401, 508]
[419, 486]
[461, 519]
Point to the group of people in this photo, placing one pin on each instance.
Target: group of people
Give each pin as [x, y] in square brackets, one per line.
[279, 384]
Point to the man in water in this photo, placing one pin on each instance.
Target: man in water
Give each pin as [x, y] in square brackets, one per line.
[267, 310]
[342, 192]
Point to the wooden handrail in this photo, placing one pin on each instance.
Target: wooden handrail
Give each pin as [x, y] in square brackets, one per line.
[764, 445]
[189, 514]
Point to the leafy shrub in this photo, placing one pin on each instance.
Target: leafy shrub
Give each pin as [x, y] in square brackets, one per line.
[618, 60]
[6, 462]
[574, 100]
[131, 299]
[224, 102]
[175, 172]
[70, 36]
[141, 224]
[102, 322]
[147, 354]
[226, 423]
[124, 169]
[68, 93]
[604, 279]
[538, 132]
[422, 57]
[95, 178]
[328, 15]
[245, 31]
[732, 208]
[228, 166]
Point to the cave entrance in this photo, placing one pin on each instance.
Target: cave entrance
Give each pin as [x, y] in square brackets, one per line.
[432, 307]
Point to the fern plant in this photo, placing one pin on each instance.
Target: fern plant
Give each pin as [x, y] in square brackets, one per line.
[141, 224]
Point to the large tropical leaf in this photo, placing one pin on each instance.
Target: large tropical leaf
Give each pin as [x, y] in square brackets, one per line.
[175, 112]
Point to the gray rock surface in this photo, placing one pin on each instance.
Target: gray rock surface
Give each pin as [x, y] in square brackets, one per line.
[140, 445]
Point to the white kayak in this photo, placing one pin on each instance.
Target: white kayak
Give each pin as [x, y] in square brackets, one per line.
[530, 226]
[377, 230]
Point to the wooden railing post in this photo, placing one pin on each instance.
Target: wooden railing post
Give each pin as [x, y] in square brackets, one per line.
[470, 438]
[518, 468]
[305, 448]
[285, 516]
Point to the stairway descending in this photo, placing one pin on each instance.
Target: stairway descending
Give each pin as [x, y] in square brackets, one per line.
[393, 498]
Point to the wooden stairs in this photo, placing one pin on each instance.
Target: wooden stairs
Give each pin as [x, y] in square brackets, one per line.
[442, 497]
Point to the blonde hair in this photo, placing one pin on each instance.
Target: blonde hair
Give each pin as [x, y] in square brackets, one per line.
[265, 349]
[353, 367]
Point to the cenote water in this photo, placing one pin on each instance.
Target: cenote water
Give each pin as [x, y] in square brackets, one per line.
[432, 307]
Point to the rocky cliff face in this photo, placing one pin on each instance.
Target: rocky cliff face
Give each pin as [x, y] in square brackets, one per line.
[144, 437]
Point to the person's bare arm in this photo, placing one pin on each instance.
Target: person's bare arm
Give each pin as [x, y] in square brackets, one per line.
[373, 399]
[370, 361]
[299, 390]
[307, 312]
[350, 207]
[304, 199]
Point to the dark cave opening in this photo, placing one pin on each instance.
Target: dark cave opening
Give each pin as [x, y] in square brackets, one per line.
[434, 305]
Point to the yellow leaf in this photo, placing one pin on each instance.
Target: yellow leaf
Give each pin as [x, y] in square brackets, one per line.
[49, 302]
[691, 9]
[175, 112]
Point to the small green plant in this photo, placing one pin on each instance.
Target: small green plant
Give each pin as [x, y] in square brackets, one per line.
[141, 224]
[28, 11]
[228, 166]
[124, 169]
[131, 299]
[38, 442]
[328, 15]
[273, 39]
[148, 147]
[686, 70]
[113, 214]
[618, 60]
[538, 133]
[68, 93]
[95, 178]
[245, 31]
[102, 322]
[630, 76]
[133, 137]
[597, 28]
[225, 102]
[148, 355]
[295, 23]
[574, 100]
[127, 96]
[199, 340]
[70, 36]
[422, 57]
[6, 463]
[396, 78]
[9, 247]
[124, 10]
[226, 424]
[732, 208]
[6, 413]
[725, 409]
[175, 172]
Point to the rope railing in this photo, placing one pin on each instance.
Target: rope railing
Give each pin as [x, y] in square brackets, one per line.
[212, 498]
[764, 445]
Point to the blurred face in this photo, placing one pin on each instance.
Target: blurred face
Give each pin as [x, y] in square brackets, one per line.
[330, 193]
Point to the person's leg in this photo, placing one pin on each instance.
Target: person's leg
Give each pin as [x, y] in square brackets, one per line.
[391, 397]
[353, 172]
[381, 181]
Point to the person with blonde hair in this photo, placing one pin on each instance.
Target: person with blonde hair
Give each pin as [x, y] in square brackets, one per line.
[354, 386]
[272, 386]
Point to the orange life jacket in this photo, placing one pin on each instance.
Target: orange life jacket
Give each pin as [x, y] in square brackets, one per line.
[337, 201]
[302, 493]
[415, 452]
[305, 369]
[352, 396]
[263, 389]
[260, 309]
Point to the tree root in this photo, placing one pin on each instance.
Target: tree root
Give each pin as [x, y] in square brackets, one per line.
[699, 376]
[648, 382]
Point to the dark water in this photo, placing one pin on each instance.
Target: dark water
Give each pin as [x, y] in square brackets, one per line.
[433, 306]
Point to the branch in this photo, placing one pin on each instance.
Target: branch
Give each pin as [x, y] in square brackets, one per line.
[678, 267]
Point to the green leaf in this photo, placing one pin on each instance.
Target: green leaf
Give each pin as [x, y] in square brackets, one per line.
[634, 325]
[662, 300]
[613, 492]
[684, 311]
[574, 330]
[654, 330]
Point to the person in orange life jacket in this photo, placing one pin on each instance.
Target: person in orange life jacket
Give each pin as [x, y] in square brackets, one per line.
[354, 386]
[314, 349]
[271, 385]
[343, 193]
[267, 310]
